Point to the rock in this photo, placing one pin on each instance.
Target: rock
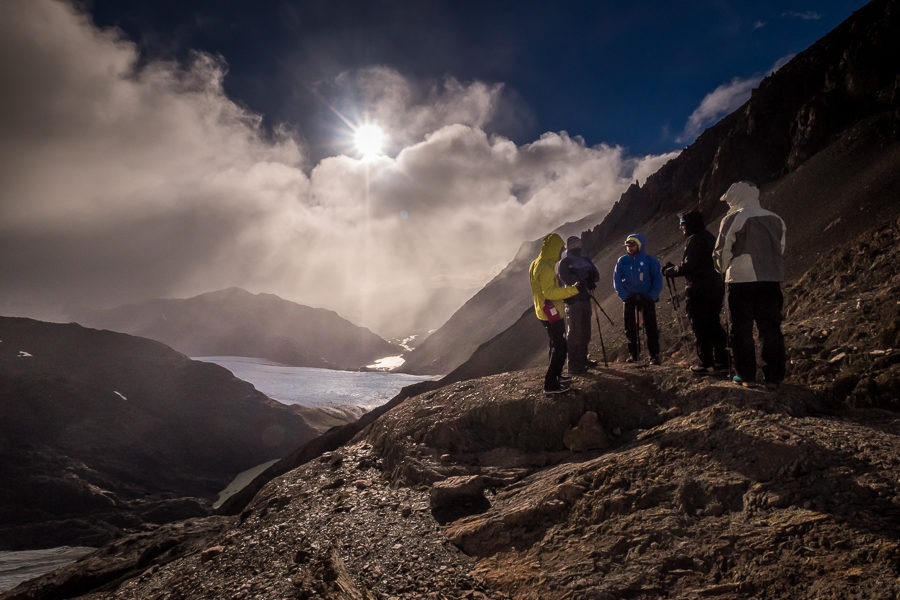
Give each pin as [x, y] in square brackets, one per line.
[837, 358]
[211, 553]
[455, 491]
[587, 435]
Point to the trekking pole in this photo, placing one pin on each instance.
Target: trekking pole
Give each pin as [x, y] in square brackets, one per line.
[601, 310]
[638, 317]
[600, 331]
[676, 303]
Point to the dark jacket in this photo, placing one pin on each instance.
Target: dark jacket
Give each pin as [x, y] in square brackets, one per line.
[697, 264]
[575, 268]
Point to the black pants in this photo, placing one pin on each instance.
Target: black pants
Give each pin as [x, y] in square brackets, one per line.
[648, 308]
[760, 302]
[558, 350]
[578, 315]
[704, 307]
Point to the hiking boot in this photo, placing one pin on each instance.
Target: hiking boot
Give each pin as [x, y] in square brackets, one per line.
[720, 368]
[565, 380]
[592, 363]
[559, 389]
[701, 370]
[654, 360]
[742, 382]
[579, 370]
[631, 359]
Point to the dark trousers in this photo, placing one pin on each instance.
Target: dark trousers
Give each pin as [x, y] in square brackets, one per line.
[703, 308]
[648, 308]
[760, 302]
[558, 350]
[578, 315]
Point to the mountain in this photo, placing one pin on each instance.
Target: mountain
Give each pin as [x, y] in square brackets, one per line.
[234, 322]
[820, 137]
[103, 433]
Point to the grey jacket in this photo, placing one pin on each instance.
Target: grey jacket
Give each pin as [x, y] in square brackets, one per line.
[751, 240]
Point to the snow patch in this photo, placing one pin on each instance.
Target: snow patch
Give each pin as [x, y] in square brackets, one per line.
[23, 354]
[387, 363]
[120, 395]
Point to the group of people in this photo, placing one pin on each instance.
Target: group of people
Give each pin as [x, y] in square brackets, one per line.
[746, 260]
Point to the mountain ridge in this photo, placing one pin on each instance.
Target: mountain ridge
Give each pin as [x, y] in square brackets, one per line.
[235, 322]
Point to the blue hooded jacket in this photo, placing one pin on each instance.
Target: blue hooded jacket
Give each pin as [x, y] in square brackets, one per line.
[638, 275]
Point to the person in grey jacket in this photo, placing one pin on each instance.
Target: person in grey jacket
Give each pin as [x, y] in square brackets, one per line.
[575, 269]
[749, 253]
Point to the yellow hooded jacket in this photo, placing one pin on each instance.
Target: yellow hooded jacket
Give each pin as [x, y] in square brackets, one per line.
[544, 285]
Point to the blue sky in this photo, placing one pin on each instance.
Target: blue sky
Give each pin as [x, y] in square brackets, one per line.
[170, 148]
[623, 73]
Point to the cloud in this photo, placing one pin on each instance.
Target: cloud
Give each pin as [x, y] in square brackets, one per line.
[722, 101]
[126, 180]
[808, 15]
[758, 25]
[716, 104]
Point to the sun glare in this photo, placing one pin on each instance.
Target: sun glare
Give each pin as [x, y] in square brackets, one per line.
[369, 140]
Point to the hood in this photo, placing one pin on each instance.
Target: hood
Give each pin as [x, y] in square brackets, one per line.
[640, 238]
[552, 246]
[693, 222]
[742, 194]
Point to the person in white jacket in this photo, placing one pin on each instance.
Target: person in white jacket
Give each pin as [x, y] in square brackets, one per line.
[749, 252]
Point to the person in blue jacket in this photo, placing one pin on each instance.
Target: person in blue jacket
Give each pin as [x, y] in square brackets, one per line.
[638, 282]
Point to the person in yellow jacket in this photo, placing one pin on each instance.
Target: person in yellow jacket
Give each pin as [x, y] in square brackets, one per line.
[549, 308]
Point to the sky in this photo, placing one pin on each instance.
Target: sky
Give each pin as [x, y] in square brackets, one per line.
[170, 148]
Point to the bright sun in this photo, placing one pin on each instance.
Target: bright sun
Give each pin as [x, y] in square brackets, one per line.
[369, 140]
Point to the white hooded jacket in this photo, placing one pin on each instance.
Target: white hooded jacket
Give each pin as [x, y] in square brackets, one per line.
[750, 246]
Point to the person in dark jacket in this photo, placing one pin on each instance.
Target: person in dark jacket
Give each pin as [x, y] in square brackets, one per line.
[638, 282]
[704, 293]
[575, 269]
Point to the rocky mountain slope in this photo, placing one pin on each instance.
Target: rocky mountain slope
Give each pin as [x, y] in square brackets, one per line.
[820, 136]
[234, 322]
[103, 433]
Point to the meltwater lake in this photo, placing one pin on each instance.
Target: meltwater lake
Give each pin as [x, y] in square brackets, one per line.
[316, 388]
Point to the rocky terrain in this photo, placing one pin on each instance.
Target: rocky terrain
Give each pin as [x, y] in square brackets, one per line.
[640, 483]
[234, 322]
[103, 433]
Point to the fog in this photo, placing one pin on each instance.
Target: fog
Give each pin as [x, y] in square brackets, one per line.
[124, 180]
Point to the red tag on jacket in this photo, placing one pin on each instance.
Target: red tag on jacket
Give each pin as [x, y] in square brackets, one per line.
[550, 310]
